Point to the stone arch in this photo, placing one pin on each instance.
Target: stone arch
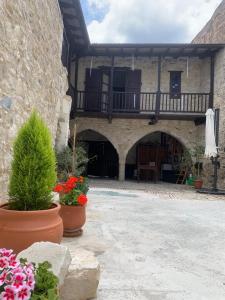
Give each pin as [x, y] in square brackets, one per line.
[185, 144]
[107, 156]
[101, 132]
[171, 150]
[179, 138]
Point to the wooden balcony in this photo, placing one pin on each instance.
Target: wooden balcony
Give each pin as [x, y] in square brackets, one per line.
[142, 105]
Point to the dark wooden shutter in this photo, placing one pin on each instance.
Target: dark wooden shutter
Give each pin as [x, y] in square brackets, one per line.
[133, 88]
[93, 90]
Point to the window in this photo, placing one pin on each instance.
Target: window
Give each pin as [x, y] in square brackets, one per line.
[175, 84]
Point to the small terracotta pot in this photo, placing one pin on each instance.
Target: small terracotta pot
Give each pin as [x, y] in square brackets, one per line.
[198, 184]
[74, 217]
[20, 229]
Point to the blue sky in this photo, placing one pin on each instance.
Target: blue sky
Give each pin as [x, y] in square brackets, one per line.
[164, 21]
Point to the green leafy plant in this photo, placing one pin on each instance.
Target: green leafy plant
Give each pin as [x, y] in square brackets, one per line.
[33, 174]
[197, 154]
[46, 283]
[65, 162]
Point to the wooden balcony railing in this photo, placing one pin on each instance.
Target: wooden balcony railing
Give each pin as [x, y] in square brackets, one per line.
[141, 103]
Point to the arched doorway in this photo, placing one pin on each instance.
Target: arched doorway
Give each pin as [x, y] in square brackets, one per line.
[103, 157]
[159, 150]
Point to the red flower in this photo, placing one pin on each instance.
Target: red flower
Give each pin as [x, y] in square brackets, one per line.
[82, 199]
[58, 188]
[72, 180]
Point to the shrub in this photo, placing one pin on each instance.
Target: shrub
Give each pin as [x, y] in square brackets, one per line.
[33, 172]
[65, 162]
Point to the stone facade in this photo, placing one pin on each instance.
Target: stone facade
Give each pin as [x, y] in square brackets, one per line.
[214, 32]
[124, 133]
[31, 72]
[192, 71]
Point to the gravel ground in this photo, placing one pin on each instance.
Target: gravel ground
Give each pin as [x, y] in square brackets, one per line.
[155, 241]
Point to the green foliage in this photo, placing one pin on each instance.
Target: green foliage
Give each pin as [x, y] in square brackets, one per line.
[198, 153]
[46, 283]
[186, 160]
[33, 174]
[65, 162]
[83, 186]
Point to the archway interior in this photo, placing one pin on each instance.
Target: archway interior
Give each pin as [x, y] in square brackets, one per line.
[156, 149]
[103, 157]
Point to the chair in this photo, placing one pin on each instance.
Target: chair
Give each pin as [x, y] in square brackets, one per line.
[148, 159]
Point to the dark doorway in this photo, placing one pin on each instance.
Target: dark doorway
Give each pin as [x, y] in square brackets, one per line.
[126, 90]
[103, 157]
[157, 155]
[104, 160]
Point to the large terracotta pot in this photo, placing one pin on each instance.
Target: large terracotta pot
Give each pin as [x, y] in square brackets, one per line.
[74, 218]
[198, 184]
[20, 229]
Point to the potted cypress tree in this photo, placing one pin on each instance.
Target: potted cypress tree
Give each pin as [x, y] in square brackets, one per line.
[30, 214]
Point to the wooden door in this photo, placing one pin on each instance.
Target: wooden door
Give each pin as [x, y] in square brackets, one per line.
[93, 89]
[133, 89]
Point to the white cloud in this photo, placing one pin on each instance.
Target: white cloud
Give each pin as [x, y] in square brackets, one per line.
[150, 20]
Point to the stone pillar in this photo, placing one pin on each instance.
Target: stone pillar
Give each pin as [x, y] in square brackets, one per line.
[122, 169]
[62, 134]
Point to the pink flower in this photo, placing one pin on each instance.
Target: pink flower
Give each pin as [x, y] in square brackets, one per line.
[30, 281]
[3, 263]
[8, 294]
[19, 280]
[3, 277]
[6, 252]
[24, 293]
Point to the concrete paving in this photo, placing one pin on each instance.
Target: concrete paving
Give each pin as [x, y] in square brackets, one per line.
[155, 241]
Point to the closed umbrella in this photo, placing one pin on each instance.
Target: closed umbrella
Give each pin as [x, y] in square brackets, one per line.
[210, 142]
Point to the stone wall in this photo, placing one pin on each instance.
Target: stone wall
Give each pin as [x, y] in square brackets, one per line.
[191, 80]
[31, 72]
[124, 133]
[214, 32]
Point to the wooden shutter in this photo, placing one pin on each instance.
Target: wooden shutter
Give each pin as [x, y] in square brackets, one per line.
[93, 90]
[133, 88]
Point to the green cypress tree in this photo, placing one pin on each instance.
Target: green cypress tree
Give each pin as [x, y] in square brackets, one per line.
[33, 171]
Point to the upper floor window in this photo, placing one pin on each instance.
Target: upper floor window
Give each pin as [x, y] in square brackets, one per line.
[175, 84]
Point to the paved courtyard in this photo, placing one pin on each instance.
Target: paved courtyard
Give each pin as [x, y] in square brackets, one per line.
[155, 241]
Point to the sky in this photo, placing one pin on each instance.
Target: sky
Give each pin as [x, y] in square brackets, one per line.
[146, 21]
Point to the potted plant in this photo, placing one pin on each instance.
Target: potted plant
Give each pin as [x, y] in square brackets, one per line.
[30, 214]
[73, 199]
[198, 155]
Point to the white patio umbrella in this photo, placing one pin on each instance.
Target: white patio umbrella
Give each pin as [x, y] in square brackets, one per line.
[210, 142]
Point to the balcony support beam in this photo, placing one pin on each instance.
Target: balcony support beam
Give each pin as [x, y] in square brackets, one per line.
[110, 108]
[158, 93]
[212, 75]
[74, 99]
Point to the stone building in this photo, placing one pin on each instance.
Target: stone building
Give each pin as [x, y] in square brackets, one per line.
[126, 98]
[33, 71]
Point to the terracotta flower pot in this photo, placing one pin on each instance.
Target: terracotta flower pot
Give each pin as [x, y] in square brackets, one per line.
[74, 218]
[198, 184]
[20, 229]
